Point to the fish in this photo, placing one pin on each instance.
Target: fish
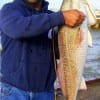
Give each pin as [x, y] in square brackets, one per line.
[72, 43]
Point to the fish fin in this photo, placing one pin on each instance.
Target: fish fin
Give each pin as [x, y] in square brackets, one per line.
[80, 38]
[90, 44]
[83, 85]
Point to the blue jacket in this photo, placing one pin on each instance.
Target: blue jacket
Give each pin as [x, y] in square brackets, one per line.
[27, 55]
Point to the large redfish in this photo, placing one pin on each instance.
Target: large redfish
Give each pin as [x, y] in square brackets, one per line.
[72, 47]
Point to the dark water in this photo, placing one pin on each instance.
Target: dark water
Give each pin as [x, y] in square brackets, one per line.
[92, 67]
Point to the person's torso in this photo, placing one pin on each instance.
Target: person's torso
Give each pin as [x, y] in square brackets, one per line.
[27, 62]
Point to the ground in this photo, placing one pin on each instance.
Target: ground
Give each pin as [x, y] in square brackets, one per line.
[92, 93]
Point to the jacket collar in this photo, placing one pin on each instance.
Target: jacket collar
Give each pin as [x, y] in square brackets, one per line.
[44, 6]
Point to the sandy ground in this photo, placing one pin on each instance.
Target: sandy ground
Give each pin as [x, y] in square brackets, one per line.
[92, 93]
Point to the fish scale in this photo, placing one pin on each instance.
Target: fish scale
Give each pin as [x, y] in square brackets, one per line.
[72, 54]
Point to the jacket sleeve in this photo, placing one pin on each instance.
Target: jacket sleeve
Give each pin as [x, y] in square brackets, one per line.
[14, 24]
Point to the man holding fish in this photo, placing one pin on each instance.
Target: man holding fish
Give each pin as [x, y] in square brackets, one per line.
[27, 70]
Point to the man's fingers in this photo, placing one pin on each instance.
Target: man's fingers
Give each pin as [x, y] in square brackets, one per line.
[80, 18]
[73, 17]
[82, 14]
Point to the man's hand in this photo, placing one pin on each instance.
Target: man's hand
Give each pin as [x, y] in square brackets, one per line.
[73, 17]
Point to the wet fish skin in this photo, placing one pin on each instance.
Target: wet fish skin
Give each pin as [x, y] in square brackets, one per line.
[72, 55]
